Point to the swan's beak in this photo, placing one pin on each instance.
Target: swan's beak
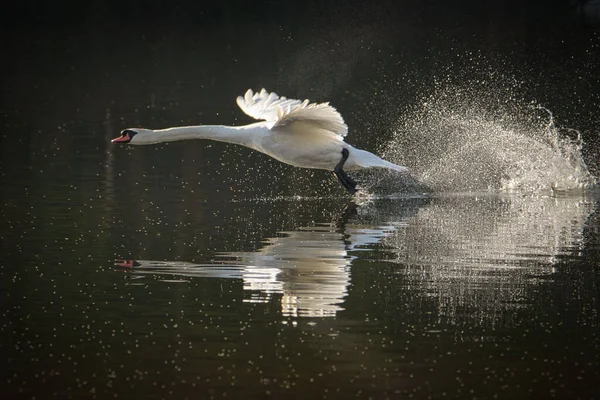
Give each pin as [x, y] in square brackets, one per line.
[121, 139]
[126, 136]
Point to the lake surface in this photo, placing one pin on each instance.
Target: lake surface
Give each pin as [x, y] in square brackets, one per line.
[202, 270]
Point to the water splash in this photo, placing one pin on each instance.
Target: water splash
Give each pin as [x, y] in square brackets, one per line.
[464, 140]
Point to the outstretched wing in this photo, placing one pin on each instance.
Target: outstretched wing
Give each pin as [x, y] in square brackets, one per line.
[265, 105]
[282, 111]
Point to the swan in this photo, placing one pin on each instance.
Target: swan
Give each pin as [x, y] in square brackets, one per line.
[299, 133]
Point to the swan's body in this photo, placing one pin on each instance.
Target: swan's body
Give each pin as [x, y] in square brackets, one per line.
[294, 132]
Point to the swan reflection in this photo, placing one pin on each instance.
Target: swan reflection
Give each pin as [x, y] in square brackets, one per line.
[308, 267]
[471, 257]
[311, 268]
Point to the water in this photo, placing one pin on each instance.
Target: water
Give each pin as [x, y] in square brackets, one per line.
[202, 270]
[479, 138]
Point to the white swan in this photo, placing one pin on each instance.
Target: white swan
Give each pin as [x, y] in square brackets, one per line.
[294, 132]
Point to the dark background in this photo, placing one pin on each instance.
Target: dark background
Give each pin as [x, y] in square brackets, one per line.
[163, 12]
[155, 64]
[425, 310]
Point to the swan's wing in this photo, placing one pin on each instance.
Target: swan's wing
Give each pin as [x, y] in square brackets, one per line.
[282, 111]
[265, 105]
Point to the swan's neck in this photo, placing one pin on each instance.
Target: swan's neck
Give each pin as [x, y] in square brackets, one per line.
[244, 135]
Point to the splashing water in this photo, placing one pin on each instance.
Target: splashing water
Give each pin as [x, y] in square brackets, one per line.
[460, 141]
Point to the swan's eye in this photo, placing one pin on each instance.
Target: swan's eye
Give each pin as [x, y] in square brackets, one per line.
[128, 132]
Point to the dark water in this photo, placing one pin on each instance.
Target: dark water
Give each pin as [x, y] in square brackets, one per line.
[200, 270]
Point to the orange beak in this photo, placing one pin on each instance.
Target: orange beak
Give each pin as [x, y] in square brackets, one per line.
[121, 139]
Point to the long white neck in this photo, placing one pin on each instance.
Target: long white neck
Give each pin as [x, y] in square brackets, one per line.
[246, 135]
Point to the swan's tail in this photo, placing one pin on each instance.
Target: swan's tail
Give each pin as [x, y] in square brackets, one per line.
[364, 159]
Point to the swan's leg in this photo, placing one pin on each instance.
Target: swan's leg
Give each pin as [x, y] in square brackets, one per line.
[348, 183]
[343, 180]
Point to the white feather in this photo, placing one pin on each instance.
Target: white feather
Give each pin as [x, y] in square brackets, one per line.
[282, 111]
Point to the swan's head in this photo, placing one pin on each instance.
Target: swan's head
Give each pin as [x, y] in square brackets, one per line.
[136, 136]
[127, 136]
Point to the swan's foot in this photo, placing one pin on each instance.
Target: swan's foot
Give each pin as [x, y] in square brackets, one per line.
[348, 183]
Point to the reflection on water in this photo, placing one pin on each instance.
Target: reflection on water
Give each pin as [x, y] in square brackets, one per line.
[309, 267]
[493, 232]
[476, 256]
[479, 256]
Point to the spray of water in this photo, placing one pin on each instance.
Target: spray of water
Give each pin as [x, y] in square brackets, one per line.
[465, 140]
